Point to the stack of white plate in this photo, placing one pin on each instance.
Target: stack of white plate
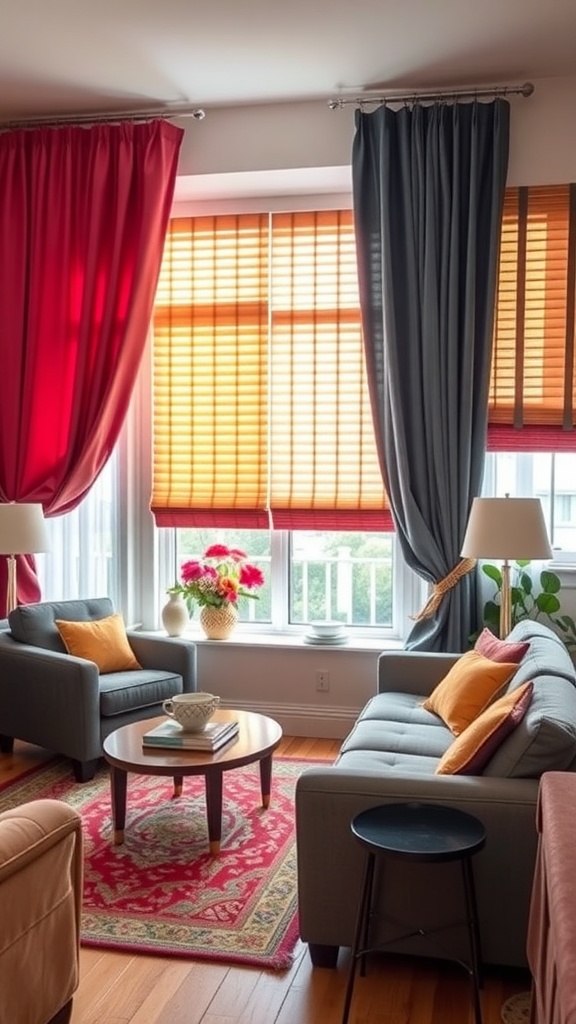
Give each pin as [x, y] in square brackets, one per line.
[326, 633]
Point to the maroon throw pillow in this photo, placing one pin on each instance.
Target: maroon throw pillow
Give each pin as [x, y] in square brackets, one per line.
[500, 650]
[471, 751]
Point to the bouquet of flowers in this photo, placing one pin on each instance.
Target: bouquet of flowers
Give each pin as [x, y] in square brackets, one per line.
[220, 577]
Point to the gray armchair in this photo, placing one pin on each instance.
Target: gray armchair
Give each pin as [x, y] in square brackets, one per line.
[63, 703]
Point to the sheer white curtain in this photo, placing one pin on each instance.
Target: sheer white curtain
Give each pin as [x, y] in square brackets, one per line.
[81, 561]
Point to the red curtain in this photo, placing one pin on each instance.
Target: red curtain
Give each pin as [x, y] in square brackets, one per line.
[83, 216]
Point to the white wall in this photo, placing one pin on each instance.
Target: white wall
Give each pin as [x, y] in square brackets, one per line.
[310, 135]
[219, 157]
[281, 682]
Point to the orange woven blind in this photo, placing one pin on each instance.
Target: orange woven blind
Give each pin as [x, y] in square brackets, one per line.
[261, 407]
[533, 361]
[211, 374]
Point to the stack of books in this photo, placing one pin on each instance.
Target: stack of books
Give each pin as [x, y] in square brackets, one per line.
[171, 734]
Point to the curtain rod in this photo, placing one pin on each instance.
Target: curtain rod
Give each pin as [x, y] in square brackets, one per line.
[420, 97]
[103, 117]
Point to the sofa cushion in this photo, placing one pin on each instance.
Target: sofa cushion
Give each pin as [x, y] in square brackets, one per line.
[472, 750]
[472, 682]
[386, 762]
[395, 733]
[545, 739]
[102, 641]
[547, 655]
[128, 691]
[36, 623]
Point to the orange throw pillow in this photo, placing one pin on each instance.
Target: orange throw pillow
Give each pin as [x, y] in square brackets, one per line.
[102, 641]
[471, 751]
[472, 683]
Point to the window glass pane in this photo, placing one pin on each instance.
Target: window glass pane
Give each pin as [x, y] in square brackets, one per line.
[344, 577]
[191, 544]
[545, 475]
[83, 558]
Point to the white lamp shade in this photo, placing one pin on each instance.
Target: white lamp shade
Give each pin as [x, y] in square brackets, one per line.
[506, 528]
[22, 529]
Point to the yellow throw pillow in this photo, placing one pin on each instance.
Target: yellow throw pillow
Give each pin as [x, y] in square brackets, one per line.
[102, 641]
[472, 683]
[471, 751]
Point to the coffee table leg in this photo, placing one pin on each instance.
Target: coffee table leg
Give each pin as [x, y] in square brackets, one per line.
[178, 781]
[266, 779]
[118, 782]
[214, 810]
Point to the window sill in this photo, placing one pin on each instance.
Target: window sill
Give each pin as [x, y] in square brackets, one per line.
[246, 638]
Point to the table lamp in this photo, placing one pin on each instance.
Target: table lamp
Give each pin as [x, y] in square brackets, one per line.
[507, 529]
[22, 532]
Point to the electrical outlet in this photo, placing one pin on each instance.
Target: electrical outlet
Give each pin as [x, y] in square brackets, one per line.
[322, 681]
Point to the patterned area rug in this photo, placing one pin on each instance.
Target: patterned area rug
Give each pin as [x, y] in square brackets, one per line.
[516, 1009]
[161, 892]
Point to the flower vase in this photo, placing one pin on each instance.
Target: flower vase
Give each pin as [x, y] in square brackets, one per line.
[175, 615]
[218, 623]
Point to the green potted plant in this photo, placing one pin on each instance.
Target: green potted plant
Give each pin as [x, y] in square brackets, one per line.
[527, 602]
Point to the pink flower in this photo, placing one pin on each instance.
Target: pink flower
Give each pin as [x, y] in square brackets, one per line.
[236, 555]
[217, 551]
[251, 576]
[191, 571]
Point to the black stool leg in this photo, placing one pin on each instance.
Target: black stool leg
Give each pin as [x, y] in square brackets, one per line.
[361, 932]
[474, 934]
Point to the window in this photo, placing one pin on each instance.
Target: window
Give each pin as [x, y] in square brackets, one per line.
[262, 414]
[333, 576]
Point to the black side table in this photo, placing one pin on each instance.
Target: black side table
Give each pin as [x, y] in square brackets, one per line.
[418, 832]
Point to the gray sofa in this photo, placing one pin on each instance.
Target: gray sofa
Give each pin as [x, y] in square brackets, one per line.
[390, 756]
[62, 702]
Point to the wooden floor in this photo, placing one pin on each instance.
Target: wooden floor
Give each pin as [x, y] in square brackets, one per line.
[117, 988]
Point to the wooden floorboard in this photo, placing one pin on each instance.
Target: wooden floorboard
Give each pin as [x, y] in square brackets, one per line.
[122, 988]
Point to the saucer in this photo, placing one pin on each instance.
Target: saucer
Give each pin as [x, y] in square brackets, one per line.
[313, 638]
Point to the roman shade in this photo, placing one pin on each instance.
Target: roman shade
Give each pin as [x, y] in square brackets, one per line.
[261, 410]
[532, 391]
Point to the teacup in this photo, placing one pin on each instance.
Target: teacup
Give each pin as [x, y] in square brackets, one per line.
[191, 710]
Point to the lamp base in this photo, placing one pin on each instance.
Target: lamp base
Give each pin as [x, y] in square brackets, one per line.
[505, 602]
[11, 593]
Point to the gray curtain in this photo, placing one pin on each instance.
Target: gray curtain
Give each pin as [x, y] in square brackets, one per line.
[428, 186]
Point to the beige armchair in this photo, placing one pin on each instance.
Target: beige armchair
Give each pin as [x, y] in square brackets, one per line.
[40, 900]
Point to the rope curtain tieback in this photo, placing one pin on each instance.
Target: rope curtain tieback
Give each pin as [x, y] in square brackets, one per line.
[465, 565]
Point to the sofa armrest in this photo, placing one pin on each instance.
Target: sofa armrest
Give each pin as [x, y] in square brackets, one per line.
[415, 672]
[41, 875]
[29, 830]
[168, 653]
[49, 698]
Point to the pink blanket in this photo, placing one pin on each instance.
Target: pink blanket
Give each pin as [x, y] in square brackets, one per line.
[551, 945]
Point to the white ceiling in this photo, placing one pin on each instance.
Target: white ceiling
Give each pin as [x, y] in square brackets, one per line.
[80, 56]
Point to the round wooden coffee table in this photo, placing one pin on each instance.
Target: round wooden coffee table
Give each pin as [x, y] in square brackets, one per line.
[256, 740]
